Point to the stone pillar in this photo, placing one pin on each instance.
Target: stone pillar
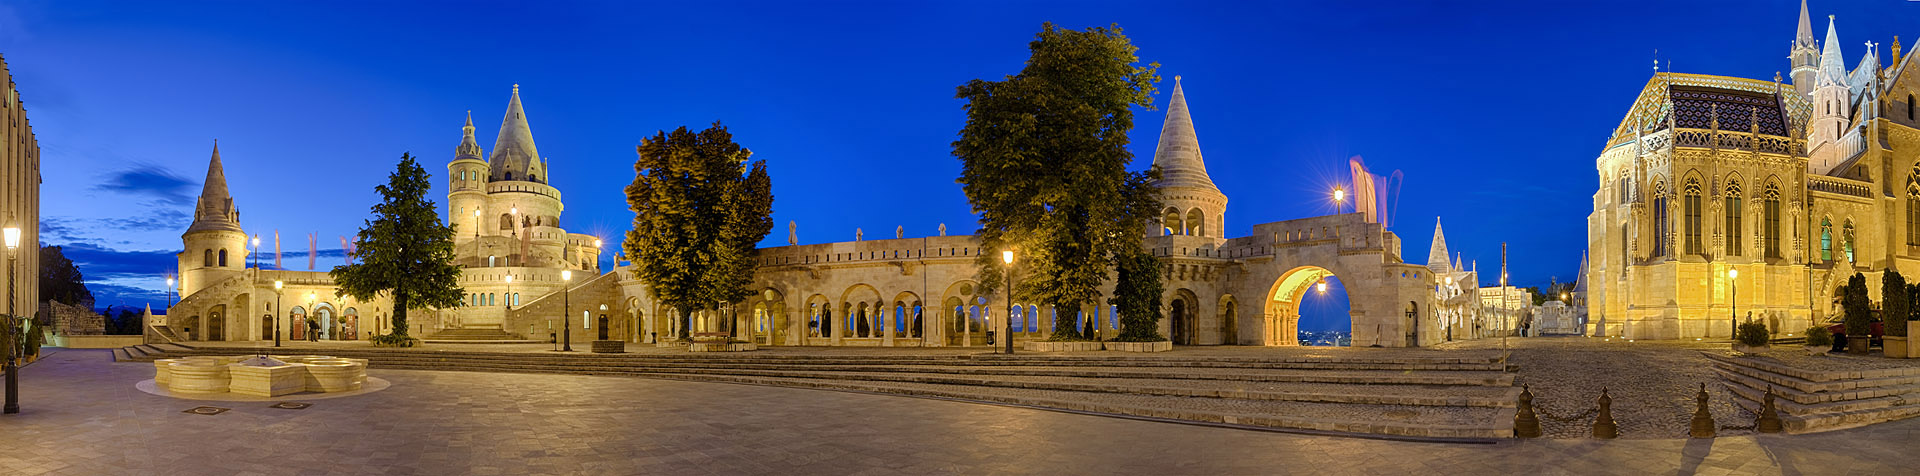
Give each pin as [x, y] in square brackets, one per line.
[836, 324]
[893, 315]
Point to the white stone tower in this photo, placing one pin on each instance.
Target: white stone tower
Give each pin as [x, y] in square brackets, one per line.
[216, 247]
[1830, 106]
[1194, 206]
[514, 157]
[1805, 55]
[467, 187]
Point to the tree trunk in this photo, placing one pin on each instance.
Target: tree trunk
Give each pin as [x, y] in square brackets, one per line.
[399, 312]
[686, 324]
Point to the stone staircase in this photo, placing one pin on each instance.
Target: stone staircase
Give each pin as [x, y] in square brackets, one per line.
[1814, 401]
[149, 352]
[485, 335]
[1445, 396]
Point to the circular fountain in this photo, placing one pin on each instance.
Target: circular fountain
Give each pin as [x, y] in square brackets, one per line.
[259, 375]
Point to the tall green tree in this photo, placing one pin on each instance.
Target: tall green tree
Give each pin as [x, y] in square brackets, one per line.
[405, 251]
[1137, 295]
[1858, 308]
[1043, 162]
[1894, 302]
[60, 280]
[699, 209]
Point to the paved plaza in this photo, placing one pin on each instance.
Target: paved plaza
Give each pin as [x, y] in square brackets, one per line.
[82, 415]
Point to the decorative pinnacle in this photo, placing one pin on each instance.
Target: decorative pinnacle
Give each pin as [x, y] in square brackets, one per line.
[516, 87]
[1176, 78]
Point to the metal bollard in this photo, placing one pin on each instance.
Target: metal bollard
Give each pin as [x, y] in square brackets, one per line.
[1603, 424]
[1769, 416]
[1702, 419]
[1525, 423]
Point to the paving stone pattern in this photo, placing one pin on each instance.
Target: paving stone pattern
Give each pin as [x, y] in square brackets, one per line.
[82, 416]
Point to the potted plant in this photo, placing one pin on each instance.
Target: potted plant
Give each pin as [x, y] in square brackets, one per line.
[1750, 337]
[1859, 315]
[1895, 310]
[1819, 340]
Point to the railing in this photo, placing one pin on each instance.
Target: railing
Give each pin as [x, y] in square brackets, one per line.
[1734, 140]
[1840, 186]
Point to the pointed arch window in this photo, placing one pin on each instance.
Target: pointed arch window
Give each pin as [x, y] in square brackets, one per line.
[1690, 207]
[223, 257]
[1913, 208]
[1826, 240]
[1771, 220]
[1660, 226]
[206, 258]
[1846, 240]
[1735, 215]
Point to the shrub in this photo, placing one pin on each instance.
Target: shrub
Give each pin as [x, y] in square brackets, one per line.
[394, 340]
[1859, 310]
[1893, 302]
[1819, 336]
[1751, 333]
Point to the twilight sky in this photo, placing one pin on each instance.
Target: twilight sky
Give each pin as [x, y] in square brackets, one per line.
[1495, 111]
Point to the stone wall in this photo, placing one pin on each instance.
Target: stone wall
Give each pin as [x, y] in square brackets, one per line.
[71, 320]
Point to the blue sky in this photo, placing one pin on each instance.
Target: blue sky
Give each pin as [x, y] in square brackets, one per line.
[1493, 110]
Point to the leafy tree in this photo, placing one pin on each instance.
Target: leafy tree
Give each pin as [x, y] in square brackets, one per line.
[405, 251]
[699, 208]
[60, 280]
[1894, 302]
[1137, 294]
[1043, 162]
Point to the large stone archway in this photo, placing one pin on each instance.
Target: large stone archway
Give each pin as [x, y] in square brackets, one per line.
[1282, 308]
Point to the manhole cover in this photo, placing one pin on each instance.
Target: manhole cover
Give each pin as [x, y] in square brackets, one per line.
[206, 410]
[292, 405]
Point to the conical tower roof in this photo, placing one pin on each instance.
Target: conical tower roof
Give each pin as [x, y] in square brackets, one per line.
[1804, 36]
[514, 156]
[214, 210]
[1178, 154]
[469, 147]
[1833, 68]
[1437, 255]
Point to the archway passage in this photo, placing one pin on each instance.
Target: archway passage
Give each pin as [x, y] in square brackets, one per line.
[1312, 293]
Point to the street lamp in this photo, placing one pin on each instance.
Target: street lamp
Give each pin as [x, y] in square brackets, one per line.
[256, 252]
[1321, 287]
[566, 310]
[279, 301]
[476, 226]
[1733, 303]
[170, 292]
[1007, 257]
[1339, 197]
[509, 292]
[12, 237]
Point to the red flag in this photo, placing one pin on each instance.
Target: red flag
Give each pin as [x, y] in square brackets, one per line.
[276, 250]
[313, 249]
[348, 248]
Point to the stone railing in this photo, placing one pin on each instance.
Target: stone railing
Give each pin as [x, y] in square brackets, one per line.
[1840, 186]
[1734, 140]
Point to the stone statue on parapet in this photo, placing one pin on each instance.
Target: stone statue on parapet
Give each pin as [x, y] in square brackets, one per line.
[792, 239]
[858, 235]
[943, 229]
[900, 231]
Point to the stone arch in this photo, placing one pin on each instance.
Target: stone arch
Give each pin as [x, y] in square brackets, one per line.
[1229, 320]
[297, 323]
[349, 326]
[215, 323]
[819, 317]
[639, 321]
[506, 221]
[860, 305]
[223, 257]
[908, 321]
[1196, 222]
[1182, 316]
[236, 325]
[1283, 303]
[206, 258]
[325, 315]
[956, 325]
[1171, 222]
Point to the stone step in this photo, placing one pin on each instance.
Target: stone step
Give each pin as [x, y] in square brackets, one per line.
[120, 355]
[1802, 398]
[1744, 387]
[1797, 424]
[1770, 375]
[171, 347]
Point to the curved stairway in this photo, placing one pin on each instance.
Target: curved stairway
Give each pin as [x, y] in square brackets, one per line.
[1445, 396]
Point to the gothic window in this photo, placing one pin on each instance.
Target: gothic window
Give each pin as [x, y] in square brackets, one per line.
[1826, 240]
[1691, 208]
[223, 257]
[1913, 210]
[1660, 227]
[206, 258]
[1196, 223]
[1771, 224]
[509, 175]
[1734, 218]
[1909, 107]
[1846, 240]
[1171, 223]
[506, 221]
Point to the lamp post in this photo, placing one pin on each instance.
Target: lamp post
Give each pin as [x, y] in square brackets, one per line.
[476, 226]
[566, 310]
[12, 237]
[256, 252]
[1733, 301]
[1339, 199]
[279, 301]
[169, 292]
[1007, 257]
[509, 295]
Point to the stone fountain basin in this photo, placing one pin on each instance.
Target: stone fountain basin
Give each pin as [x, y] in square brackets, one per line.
[289, 375]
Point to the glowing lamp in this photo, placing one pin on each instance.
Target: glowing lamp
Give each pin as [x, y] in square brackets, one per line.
[1007, 256]
[12, 234]
[1339, 194]
[1322, 287]
[1733, 273]
[277, 284]
[566, 275]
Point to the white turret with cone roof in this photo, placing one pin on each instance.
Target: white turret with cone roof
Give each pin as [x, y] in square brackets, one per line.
[1805, 55]
[1194, 205]
[514, 156]
[1831, 105]
[469, 147]
[1437, 255]
[215, 248]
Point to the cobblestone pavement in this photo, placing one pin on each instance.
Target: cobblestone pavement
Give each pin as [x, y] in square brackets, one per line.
[633, 348]
[81, 415]
[1652, 383]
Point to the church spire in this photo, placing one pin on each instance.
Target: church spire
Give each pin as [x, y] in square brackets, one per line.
[1178, 154]
[1437, 255]
[469, 147]
[1833, 68]
[1805, 54]
[514, 156]
[214, 210]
